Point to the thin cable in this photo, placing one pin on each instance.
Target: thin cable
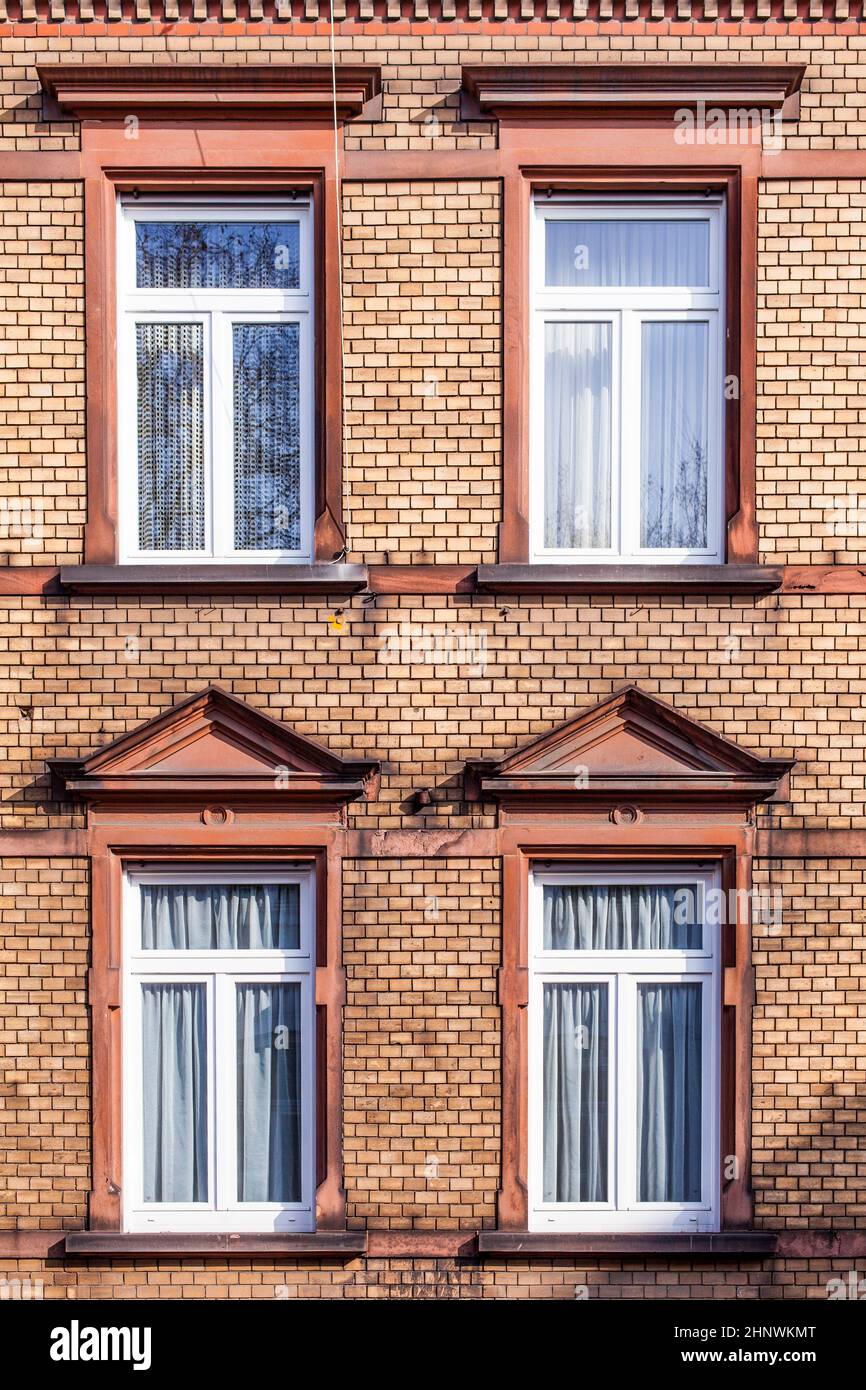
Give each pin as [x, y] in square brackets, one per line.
[339, 197]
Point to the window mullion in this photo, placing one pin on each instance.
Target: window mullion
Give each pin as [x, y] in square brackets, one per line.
[221, 417]
[625, 1079]
[630, 428]
[222, 1124]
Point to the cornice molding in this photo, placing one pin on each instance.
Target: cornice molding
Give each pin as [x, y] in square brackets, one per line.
[210, 91]
[283, 15]
[645, 90]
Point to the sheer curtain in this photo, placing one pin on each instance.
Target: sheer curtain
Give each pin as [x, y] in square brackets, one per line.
[225, 917]
[669, 1093]
[620, 917]
[674, 435]
[174, 1093]
[575, 1092]
[621, 252]
[577, 462]
[269, 1092]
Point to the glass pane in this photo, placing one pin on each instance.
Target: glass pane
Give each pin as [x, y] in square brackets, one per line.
[622, 917]
[669, 1124]
[577, 410]
[674, 435]
[170, 436]
[587, 253]
[221, 917]
[174, 1093]
[269, 1092]
[575, 1093]
[267, 436]
[217, 255]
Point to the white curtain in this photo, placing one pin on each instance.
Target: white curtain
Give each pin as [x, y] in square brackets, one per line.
[620, 917]
[269, 1092]
[174, 1093]
[575, 1093]
[225, 917]
[674, 435]
[577, 462]
[619, 252]
[669, 1093]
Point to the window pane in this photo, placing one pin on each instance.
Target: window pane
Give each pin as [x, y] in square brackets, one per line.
[575, 1093]
[674, 435]
[669, 1088]
[170, 436]
[217, 255]
[622, 917]
[577, 410]
[174, 1093]
[220, 917]
[267, 436]
[269, 1093]
[589, 253]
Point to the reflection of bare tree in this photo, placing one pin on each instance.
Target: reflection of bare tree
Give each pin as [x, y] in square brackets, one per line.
[266, 436]
[217, 255]
[675, 510]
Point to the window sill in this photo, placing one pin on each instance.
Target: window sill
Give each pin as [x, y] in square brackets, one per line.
[629, 579]
[213, 579]
[723, 1244]
[217, 1244]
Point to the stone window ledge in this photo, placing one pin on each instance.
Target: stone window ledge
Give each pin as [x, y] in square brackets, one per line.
[213, 579]
[217, 1244]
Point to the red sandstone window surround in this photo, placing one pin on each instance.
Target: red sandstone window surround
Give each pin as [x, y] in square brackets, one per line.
[208, 792]
[186, 133]
[629, 789]
[614, 131]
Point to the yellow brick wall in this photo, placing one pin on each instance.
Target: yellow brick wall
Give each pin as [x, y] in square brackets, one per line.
[424, 374]
[44, 1045]
[782, 675]
[808, 1047]
[811, 325]
[423, 684]
[422, 298]
[42, 476]
[421, 1043]
[426, 1279]
[421, 69]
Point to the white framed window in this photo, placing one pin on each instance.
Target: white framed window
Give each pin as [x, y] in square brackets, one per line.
[215, 380]
[627, 380]
[218, 1049]
[624, 1049]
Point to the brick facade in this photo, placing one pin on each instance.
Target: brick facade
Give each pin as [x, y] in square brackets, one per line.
[781, 674]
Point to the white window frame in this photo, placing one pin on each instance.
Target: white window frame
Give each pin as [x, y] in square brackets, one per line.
[623, 971]
[216, 311]
[220, 971]
[626, 309]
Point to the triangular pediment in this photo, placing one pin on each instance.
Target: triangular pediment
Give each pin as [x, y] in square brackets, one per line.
[216, 743]
[630, 745]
